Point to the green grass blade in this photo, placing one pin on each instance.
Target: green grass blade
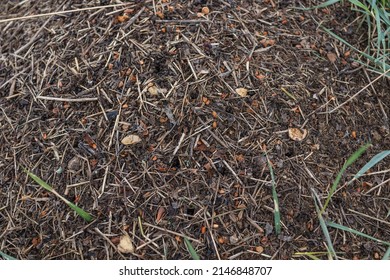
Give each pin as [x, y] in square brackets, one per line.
[377, 158]
[331, 251]
[275, 198]
[288, 94]
[378, 28]
[86, 216]
[386, 256]
[371, 58]
[360, 5]
[350, 160]
[312, 255]
[191, 249]
[323, 5]
[6, 257]
[326, 4]
[380, 65]
[40, 182]
[344, 228]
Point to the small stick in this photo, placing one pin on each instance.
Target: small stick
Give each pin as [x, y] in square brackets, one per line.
[85, 99]
[381, 184]
[32, 40]
[61, 12]
[253, 223]
[212, 237]
[104, 181]
[172, 232]
[181, 20]
[367, 216]
[110, 242]
[234, 173]
[149, 242]
[356, 94]
[115, 127]
[179, 144]
[134, 18]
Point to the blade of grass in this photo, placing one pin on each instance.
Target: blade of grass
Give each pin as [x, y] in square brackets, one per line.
[83, 214]
[191, 249]
[40, 182]
[323, 5]
[331, 251]
[360, 5]
[86, 216]
[288, 94]
[312, 255]
[275, 198]
[377, 158]
[6, 257]
[375, 11]
[344, 228]
[386, 256]
[350, 160]
[377, 22]
[382, 66]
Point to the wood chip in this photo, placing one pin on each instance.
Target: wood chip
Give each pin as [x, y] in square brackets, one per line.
[242, 92]
[131, 139]
[125, 245]
[297, 134]
[153, 90]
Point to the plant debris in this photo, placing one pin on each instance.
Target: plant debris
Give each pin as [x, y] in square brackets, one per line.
[125, 245]
[131, 139]
[164, 111]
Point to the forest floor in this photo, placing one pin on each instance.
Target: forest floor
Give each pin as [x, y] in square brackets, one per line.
[159, 118]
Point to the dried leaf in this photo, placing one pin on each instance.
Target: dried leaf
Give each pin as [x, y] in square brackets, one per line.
[332, 57]
[160, 214]
[297, 134]
[88, 139]
[152, 89]
[131, 139]
[125, 245]
[242, 92]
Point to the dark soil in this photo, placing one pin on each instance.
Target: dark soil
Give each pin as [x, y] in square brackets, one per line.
[73, 85]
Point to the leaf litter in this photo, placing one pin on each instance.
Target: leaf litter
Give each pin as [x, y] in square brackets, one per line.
[165, 77]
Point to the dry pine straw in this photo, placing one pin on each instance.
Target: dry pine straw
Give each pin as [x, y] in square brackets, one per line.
[74, 85]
